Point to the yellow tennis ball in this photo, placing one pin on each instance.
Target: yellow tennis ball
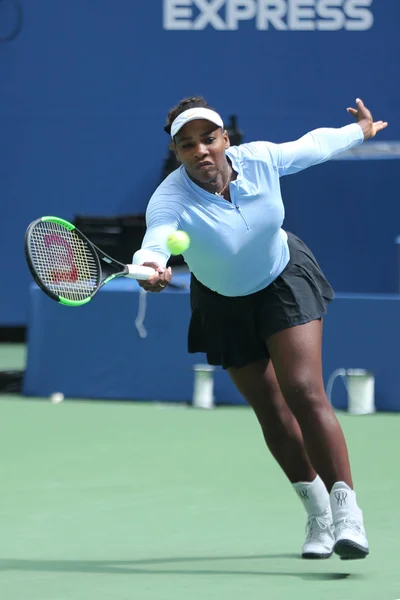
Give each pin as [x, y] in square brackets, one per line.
[178, 242]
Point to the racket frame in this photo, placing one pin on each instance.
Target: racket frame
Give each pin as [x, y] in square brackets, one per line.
[98, 255]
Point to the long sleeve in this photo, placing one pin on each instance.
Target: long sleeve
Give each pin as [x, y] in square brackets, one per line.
[314, 148]
[162, 218]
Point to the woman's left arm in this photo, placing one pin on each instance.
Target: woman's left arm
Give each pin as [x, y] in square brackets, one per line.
[320, 145]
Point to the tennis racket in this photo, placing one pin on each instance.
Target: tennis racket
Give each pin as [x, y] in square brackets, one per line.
[67, 266]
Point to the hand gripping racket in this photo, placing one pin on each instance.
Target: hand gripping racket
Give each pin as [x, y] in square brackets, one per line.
[67, 266]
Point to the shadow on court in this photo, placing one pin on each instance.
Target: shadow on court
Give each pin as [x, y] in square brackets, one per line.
[146, 566]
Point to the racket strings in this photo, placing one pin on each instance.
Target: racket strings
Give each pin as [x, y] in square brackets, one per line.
[63, 261]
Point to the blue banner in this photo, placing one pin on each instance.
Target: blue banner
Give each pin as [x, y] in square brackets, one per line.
[85, 87]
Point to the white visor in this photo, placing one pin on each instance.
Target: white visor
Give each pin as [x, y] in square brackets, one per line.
[191, 115]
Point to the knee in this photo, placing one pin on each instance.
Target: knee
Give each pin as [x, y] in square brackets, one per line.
[272, 412]
[274, 418]
[305, 396]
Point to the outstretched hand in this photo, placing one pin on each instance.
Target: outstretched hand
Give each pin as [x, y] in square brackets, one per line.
[364, 118]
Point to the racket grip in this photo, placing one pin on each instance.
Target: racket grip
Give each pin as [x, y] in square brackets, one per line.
[139, 272]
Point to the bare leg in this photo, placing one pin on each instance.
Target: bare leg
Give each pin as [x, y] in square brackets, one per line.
[258, 384]
[296, 356]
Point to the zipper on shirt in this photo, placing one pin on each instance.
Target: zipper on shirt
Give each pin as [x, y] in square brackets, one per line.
[243, 217]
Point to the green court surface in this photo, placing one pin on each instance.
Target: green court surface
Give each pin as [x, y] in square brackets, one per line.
[134, 501]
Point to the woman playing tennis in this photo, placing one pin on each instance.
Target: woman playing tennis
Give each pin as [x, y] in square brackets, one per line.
[258, 297]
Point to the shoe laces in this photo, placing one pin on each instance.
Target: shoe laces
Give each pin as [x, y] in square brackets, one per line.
[318, 527]
[350, 523]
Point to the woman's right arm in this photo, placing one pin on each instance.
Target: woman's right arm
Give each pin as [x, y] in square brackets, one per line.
[162, 219]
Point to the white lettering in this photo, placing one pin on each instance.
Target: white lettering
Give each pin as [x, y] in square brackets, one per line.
[176, 16]
[239, 10]
[271, 12]
[301, 15]
[281, 15]
[361, 18]
[331, 14]
[209, 14]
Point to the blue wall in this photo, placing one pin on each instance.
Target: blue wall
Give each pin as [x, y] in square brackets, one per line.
[85, 87]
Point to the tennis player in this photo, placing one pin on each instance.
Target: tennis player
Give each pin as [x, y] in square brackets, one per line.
[258, 297]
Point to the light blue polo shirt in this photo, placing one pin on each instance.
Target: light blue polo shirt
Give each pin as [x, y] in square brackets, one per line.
[238, 247]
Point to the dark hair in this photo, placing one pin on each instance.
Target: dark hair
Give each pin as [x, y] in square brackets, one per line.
[185, 104]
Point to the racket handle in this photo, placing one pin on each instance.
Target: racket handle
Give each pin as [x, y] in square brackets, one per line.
[139, 272]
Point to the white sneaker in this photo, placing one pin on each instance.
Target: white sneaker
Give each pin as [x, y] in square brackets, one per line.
[320, 536]
[351, 541]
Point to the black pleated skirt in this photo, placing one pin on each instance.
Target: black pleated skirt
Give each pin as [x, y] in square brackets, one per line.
[232, 331]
